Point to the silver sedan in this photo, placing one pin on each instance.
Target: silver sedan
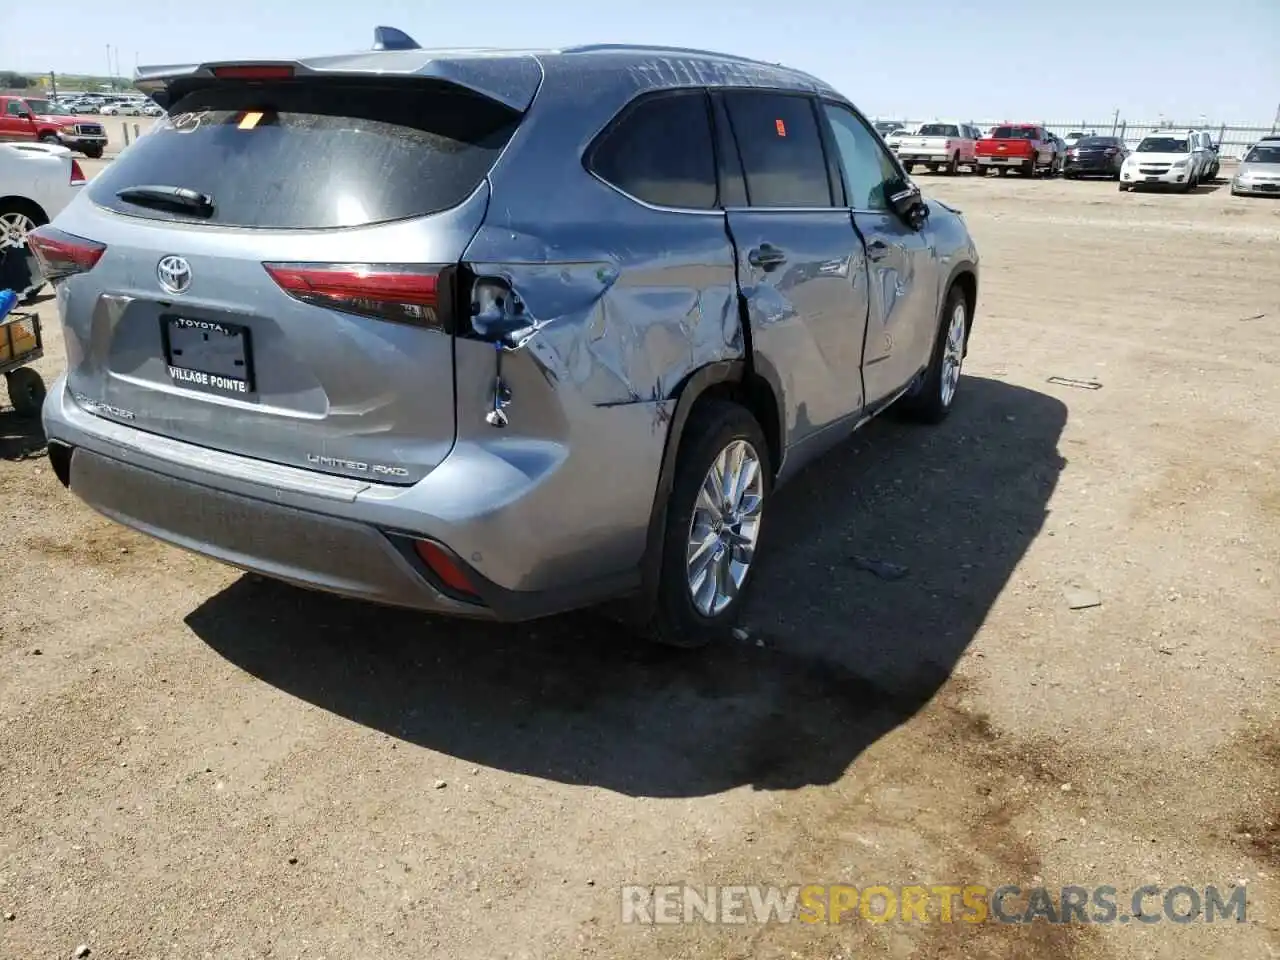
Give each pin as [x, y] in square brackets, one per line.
[1259, 172]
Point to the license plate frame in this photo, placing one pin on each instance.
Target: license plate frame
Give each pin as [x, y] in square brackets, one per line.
[211, 356]
[1151, 180]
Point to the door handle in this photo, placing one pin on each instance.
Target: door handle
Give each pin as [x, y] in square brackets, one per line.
[877, 250]
[767, 256]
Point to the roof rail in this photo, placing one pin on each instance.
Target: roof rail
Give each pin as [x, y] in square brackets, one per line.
[654, 48]
[389, 38]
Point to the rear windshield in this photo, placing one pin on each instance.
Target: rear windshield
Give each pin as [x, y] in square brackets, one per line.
[1014, 133]
[939, 130]
[311, 155]
[1163, 145]
[1097, 142]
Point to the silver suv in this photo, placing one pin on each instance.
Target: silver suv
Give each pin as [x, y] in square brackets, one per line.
[494, 334]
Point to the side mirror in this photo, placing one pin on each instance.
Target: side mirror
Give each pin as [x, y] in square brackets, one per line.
[907, 202]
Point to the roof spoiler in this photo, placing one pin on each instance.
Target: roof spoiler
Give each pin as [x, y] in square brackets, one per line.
[389, 38]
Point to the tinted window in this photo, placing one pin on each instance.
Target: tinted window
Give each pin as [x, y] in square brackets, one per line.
[311, 155]
[660, 152]
[1014, 133]
[781, 150]
[13, 107]
[1261, 154]
[865, 165]
[1098, 142]
[939, 130]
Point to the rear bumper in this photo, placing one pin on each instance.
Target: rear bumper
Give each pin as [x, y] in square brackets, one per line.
[1003, 161]
[324, 533]
[923, 156]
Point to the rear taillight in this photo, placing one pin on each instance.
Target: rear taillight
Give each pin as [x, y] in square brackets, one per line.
[77, 175]
[1112, 151]
[62, 254]
[948, 146]
[401, 294]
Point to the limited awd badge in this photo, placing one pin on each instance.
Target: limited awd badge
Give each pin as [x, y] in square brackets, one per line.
[174, 274]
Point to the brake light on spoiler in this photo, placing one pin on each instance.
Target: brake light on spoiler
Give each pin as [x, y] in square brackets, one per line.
[62, 254]
[250, 71]
[399, 293]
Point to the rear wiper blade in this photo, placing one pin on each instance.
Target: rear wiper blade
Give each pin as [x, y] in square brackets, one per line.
[180, 198]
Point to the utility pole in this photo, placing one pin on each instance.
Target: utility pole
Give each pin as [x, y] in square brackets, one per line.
[1275, 123]
[109, 60]
[53, 84]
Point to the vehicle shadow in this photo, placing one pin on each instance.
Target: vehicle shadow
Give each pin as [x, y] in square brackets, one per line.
[20, 437]
[835, 656]
[1211, 187]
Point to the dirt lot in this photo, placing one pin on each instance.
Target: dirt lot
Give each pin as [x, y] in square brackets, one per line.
[194, 763]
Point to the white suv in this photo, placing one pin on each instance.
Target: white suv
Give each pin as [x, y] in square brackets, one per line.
[1164, 160]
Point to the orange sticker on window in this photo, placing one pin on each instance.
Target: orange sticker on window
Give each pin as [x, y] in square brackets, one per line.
[782, 128]
[250, 120]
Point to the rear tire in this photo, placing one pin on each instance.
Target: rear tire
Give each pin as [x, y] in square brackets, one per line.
[49, 138]
[1030, 169]
[684, 616]
[954, 166]
[26, 392]
[932, 401]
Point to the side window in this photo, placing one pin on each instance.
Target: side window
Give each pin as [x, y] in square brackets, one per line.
[660, 152]
[781, 149]
[865, 164]
[12, 108]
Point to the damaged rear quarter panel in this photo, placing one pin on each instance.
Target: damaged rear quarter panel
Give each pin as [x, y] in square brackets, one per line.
[624, 302]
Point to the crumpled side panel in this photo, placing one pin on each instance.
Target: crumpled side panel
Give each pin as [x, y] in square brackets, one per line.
[630, 329]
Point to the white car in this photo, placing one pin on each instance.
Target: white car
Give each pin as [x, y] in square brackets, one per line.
[122, 110]
[1163, 160]
[37, 182]
[893, 140]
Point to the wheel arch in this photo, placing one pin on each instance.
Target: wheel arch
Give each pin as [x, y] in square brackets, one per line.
[26, 204]
[734, 380]
[965, 276]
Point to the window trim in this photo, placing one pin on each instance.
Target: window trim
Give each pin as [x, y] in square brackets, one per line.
[828, 132]
[818, 119]
[588, 155]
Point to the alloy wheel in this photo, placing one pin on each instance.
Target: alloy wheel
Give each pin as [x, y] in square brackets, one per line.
[725, 528]
[953, 353]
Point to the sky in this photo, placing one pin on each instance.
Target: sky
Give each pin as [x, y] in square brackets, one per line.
[922, 59]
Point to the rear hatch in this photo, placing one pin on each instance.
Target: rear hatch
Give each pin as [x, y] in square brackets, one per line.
[268, 271]
[1007, 142]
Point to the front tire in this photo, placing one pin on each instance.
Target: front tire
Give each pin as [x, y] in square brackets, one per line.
[932, 401]
[720, 496]
[93, 153]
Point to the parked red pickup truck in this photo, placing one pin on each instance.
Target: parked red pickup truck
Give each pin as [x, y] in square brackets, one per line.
[1025, 147]
[33, 118]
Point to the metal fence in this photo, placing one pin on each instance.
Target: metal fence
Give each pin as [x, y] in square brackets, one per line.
[1233, 141]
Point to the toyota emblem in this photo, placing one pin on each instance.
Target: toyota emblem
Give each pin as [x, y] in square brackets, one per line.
[174, 274]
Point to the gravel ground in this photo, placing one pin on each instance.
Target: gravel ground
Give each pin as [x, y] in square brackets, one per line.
[195, 763]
